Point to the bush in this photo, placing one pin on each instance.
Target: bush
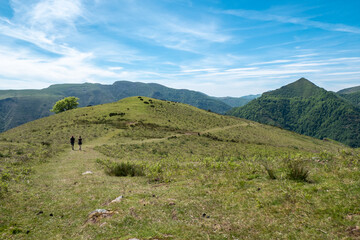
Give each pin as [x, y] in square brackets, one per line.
[297, 172]
[122, 169]
[65, 104]
[116, 114]
[269, 171]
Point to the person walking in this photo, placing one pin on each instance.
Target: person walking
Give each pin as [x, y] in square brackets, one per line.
[80, 142]
[72, 141]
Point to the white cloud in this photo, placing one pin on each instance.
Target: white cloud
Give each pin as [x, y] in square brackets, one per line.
[269, 16]
[74, 67]
[270, 62]
[50, 13]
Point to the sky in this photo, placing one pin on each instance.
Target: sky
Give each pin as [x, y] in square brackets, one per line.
[221, 48]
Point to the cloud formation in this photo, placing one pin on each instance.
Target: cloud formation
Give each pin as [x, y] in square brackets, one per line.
[216, 47]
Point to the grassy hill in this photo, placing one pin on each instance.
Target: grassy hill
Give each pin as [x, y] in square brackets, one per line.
[351, 94]
[20, 106]
[200, 176]
[307, 109]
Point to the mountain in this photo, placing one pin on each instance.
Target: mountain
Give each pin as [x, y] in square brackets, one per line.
[238, 102]
[20, 106]
[307, 109]
[351, 94]
[152, 169]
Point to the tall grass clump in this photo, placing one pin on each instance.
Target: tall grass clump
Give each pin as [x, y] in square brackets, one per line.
[298, 172]
[122, 169]
[269, 171]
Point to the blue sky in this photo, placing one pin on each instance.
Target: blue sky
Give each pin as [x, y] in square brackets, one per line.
[222, 48]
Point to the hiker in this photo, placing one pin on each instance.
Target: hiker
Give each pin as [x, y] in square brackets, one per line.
[80, 142]
[72, 141]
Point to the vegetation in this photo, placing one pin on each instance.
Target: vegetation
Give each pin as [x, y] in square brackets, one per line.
[351, 94]
[238, 101]
[203, 177]
[122, 169]
[21, 106]
[304, 108]
[65, 104]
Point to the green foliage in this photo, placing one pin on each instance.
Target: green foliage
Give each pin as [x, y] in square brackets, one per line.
[270, 171]
[122, 169]
[353, 97]
[298, 172]
[304, 108]
[238, 102]
[65, 104]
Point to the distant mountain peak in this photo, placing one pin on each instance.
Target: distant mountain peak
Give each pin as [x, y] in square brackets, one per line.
[300, 88]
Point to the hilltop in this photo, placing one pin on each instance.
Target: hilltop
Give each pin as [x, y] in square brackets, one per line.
[200, 175]
[20, 106]
[308, 109]
[301, 88]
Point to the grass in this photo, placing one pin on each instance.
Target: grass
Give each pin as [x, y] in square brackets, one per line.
[204, 178]
[298, 172]
[122, 169]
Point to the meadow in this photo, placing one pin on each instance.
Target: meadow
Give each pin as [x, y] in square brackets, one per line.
[196, 175]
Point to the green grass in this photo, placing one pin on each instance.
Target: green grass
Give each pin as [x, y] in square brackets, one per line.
[204, 178]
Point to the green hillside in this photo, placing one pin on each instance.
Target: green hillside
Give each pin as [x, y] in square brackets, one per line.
[238, 102]
[307, 109]
[349, 90]
[351, 94]
[20, 106]
[200, 176]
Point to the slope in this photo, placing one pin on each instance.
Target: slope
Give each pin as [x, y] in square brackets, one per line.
[307, 109]
[238, 101]
[351, 94]
[203, 177]
[20, 106]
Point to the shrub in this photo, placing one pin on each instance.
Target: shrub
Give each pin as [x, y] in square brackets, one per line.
[122, 169]
[297, 172]
[116, 114]
[270, 171]
[65, 104]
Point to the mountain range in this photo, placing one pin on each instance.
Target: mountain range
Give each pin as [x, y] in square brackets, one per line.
[21, 106]
[308, 109]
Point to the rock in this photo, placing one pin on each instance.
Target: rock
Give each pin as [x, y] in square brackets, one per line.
[87, 172]
[118, 199]
[98, 214]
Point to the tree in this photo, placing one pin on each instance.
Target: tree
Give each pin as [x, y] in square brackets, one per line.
[65, 104]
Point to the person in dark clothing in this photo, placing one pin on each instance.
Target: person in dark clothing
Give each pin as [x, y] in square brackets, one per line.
[80, 142]
[72, 141]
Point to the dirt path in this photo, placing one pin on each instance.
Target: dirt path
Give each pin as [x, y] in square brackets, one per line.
[60, 195]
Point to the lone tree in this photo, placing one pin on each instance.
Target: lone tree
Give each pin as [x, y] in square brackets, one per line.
[65, 104]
